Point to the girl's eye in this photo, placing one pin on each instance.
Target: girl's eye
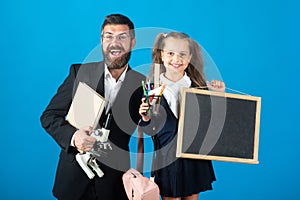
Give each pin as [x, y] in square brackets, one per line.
[183, 55]
[170, 53]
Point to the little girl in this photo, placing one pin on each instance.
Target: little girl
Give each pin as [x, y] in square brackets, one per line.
[182, 66]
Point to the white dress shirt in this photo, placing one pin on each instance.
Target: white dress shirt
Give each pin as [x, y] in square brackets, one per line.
[112, 86]
[172, 91]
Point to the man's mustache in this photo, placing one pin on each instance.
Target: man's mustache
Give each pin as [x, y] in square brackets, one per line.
[115, 48]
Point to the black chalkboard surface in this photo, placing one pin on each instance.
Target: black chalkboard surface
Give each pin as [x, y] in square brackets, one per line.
[218, 126]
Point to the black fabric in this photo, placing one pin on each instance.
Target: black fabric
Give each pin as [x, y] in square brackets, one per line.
[71, 182]
[95, 189]
[90, 192]
[176, 177]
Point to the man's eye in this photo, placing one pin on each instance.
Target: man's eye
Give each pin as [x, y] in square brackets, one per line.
[123, 37]
[109, 37]
[170, 53]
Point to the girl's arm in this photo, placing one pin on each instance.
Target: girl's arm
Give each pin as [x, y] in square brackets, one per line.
[147, 124]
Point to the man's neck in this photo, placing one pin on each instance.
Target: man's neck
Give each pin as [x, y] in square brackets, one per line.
[116, 73]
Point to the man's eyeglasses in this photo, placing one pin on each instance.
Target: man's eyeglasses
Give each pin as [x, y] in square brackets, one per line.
[121, 37]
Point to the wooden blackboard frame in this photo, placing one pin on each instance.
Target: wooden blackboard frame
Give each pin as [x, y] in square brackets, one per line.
[227, 98]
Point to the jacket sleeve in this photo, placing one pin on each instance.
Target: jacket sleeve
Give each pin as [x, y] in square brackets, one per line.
[53, 118]
[147, 127]
[153, 126]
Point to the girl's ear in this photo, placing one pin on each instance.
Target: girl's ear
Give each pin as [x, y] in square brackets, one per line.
[162, 56]
[190, 57]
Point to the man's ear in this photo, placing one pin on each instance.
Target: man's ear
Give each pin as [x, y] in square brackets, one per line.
[133, 42]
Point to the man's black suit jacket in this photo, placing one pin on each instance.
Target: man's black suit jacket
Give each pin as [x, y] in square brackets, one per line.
[71, 181]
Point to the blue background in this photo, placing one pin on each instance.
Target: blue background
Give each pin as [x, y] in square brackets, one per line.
[255, 45]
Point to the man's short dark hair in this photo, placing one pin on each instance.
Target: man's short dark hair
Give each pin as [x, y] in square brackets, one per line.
[118, 19]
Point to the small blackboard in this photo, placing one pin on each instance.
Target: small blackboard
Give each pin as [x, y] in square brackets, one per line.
[218, 126]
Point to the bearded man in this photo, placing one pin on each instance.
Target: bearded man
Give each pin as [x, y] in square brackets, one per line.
[120, 85]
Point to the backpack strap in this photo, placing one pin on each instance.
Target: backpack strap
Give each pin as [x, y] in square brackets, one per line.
[140, 156]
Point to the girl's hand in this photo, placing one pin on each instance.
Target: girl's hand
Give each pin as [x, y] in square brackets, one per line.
[144, 107]
[214, 85]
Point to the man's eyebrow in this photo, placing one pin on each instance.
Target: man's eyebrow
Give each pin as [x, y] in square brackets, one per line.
[107, 32]
[124, 33]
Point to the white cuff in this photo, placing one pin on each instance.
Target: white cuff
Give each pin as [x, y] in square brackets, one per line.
[73, 140]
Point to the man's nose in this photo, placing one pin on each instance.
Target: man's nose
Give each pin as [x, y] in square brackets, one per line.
[115, 40]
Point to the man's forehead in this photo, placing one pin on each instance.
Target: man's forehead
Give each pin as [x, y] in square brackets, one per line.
[115, 29]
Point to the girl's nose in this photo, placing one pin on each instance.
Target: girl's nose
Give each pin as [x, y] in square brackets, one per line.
[176, 57]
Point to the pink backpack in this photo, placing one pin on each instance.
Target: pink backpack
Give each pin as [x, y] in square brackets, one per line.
[139, 187]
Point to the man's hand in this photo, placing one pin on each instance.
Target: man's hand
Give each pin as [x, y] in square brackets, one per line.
[82, 139]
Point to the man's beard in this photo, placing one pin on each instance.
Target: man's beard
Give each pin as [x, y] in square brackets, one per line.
[116, 63]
